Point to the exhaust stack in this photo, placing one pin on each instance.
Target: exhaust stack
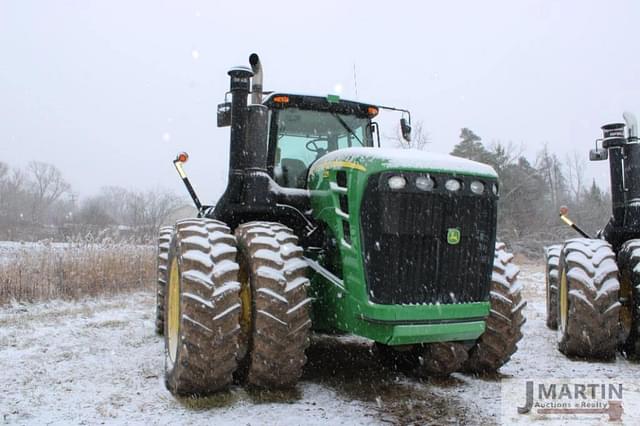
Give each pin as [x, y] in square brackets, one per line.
[624, 165]
[613, 140]
[239, 87]
[256, 83]
[632, 173]
[632, 124]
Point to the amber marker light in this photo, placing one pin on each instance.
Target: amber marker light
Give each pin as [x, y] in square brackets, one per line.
[182, 157]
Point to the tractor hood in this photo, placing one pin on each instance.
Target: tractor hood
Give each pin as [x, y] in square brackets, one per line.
[403, 159]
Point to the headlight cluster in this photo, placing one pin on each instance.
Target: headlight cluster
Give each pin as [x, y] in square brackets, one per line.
[453, 185]
[397, 182]
[477, 187]
[428, 183]
[423, 183]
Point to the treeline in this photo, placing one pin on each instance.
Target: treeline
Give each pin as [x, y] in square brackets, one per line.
[37, 203]
[531, 193]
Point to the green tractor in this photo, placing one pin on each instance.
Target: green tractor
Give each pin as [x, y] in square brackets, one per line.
[321, 230]
[593, 284]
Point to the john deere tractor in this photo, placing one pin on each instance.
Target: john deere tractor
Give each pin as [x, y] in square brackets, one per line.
[321, 229]
[593, 284]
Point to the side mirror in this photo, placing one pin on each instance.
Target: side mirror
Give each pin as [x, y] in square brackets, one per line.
[405, 127]
[224, 114]
[598, 154]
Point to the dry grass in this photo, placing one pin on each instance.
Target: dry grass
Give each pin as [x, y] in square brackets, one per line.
[35, 272]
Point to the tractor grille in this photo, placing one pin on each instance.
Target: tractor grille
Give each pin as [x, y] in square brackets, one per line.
[408, 258]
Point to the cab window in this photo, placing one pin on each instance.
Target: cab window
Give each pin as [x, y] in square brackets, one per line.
[303, 136]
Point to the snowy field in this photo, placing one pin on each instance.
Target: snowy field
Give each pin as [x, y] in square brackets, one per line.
[100, 362]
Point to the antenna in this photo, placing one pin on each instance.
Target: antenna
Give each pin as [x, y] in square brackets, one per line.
[355, 80]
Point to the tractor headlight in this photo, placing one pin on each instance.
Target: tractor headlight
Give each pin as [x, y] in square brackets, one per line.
[494, 189]
[477, 187]
[425, 183]
[397, 182]
[453, 185]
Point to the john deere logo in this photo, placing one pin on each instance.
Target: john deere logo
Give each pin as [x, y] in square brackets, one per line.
[453, 236]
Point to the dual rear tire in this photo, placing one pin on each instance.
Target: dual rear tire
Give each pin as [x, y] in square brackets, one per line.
[202, 308]
[233, 305]
[597, 302]
[588, 302]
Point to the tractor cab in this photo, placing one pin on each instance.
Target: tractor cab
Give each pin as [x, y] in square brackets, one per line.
[302, 129]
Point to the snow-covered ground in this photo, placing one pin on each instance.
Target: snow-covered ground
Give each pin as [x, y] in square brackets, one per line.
[100, 362]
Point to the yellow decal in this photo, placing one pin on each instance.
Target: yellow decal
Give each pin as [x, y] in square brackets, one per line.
[343, 164]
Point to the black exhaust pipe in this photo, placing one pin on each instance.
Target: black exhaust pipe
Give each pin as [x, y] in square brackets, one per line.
[613, 139]
[248, 184]
[251, 193]
[256, 85]
[239, 88]
[632, 173]
[624, 164]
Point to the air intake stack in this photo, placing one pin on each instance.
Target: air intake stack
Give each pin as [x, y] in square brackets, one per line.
[624, 164]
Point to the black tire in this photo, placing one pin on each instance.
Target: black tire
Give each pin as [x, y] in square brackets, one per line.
[164, 240]
[441, 359]
[393, 357]
[629, 265]
[551, 260]
[207, 288]
[272, 266]
[498, 343]
[424, 360]
[589, 326]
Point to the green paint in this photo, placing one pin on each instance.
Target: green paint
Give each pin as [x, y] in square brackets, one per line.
[453, 236]
[333, 99]
[347, 307]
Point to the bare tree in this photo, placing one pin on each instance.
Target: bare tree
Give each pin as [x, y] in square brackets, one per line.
[47, 186]
[575, 165]
[13, 196]
[551, 169]
[147, 210]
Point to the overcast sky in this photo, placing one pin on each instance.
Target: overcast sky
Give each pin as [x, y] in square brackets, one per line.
[110, 91]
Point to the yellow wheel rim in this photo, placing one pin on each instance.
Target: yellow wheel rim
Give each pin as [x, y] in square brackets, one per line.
[564, 300]
[245, 298]
[173, 310]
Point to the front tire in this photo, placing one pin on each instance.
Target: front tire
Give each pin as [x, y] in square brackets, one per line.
[438, 359]
[202, 308]
[588, 299]
[504, 325]
[629, 264]
[164, 240]
[552, 259]
[275, 304]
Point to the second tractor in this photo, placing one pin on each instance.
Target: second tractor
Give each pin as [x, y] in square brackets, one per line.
[593, 284]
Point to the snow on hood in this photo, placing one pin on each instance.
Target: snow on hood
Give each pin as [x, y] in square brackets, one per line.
[408, 158]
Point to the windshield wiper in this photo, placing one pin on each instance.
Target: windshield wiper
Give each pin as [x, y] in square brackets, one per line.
[347, 128]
